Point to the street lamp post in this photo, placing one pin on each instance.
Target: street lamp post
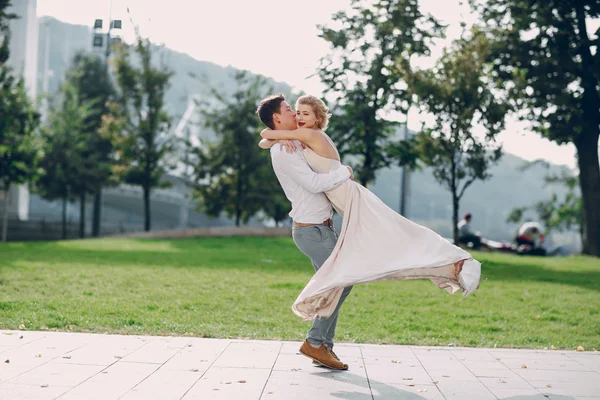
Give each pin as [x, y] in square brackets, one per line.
[98, 43]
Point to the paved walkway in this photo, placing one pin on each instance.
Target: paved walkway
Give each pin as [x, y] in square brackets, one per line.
[67, 366]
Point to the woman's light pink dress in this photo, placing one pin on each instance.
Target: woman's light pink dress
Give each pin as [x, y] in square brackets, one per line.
[375, 244]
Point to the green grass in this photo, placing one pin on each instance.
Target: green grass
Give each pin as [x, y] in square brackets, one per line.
[244, 287]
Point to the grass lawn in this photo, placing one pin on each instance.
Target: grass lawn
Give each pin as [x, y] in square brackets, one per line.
[244, 288]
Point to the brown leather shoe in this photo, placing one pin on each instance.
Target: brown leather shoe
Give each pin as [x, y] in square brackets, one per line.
[322, 355]
[332, 353]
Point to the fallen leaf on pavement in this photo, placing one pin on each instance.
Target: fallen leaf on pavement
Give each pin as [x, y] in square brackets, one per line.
[549, 385]
[394, 362]
[194, 370]
[6, 361]
[523, 366]
[44, 386]
[242, 381]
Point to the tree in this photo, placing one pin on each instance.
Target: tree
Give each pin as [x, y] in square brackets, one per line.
[145, 144]
[457, 93]
[545, 63]
[366, 70]
[233, 175]
[19, 148]
[18, 121]
[67, 171]
[89, 75]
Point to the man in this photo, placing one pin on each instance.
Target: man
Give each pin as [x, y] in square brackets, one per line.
[530, 238]
[465, 234]
[311, 214]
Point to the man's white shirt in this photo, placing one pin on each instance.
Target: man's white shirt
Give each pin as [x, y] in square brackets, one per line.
[303, 186]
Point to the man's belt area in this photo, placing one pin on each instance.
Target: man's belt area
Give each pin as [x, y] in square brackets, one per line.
[328, 223]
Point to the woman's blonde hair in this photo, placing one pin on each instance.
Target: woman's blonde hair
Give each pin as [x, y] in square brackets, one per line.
[319, 108]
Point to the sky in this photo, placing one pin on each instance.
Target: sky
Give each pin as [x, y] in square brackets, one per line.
[234, 33]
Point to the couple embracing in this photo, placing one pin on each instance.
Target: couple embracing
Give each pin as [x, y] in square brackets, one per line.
[374, 242]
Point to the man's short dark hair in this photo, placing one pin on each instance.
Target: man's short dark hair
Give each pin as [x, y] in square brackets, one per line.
[269, 106]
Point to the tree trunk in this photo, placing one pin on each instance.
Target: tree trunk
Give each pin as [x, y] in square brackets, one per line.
[96, 213]
[455, 205]
[82, 215]
[147, 222]
[5, 214]
[64, 218]
[587, 142]
[589, 181]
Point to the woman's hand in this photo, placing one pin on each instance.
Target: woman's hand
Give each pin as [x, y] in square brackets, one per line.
[288, 145]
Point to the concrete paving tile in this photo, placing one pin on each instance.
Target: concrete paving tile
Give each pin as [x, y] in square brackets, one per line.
[456, 375]
[4, 348]
[19, 338]
[493, 373]
[577, 388]
[530, 355]
[34, 354]
[196, 356]
[407, 361]
[375, 351]
[111, 383]
[591, 361]
[484, 364]
[13, 391]
[249, 355]
[9, 371]
[229, 383]
[517, 394]
[398, 373]
[157, 351]
[106, 351]
[163, 385]
[473, 355]
[56, 374]
[465, 390]
[562, 365]
[507, 383]
[399, 391]
[557, 376]
[290, 389]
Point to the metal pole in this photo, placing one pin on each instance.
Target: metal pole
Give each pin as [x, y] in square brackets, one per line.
[45, 78]
[108, 33]
[404, 179]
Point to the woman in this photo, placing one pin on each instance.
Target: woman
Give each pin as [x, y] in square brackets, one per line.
[375, 243]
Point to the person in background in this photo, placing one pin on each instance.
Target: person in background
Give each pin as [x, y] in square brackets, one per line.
[530, 238]
[465, 234]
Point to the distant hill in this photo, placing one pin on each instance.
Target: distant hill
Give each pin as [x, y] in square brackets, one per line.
[67, 39]
[490, 202]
